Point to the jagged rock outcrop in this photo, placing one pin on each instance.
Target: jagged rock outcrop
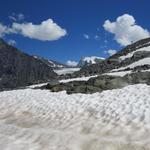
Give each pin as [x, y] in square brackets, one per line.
[19, 69]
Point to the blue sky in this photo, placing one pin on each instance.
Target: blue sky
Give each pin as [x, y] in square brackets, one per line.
[82, 20]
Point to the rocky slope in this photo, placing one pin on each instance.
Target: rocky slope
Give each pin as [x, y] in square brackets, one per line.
[87, 61]
[19, 69]
[127, 67]
[100, 83]
[130, 54]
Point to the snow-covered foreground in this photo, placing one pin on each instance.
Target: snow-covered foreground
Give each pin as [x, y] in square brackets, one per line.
[40, 120]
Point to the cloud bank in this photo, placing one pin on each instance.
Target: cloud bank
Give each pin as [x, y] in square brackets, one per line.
[4, 30]
[72, 63]
[126, 30]
[11, 42]
[46, 31]
[17, 17]
[111, 52]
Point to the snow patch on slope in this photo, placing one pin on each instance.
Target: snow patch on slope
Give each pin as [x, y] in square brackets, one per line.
[91, 59]
[141, 62]
[120, 73]
[78, 79]
[129, 55]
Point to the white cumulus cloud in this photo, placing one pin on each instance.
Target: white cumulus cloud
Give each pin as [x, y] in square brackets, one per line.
[86, 36]
[111, 52]
[126, 30]
[72, 63]
[4, 30]
[96, 37]
[46, 31]
[11, 42]
[21, 16]
[17, 17]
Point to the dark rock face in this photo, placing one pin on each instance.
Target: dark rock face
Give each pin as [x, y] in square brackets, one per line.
[19, 69]
[101, 83]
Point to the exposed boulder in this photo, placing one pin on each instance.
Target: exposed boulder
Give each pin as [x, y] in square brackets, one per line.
[101, 83]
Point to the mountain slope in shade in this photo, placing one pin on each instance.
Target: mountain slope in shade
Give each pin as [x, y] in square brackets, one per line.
[87, 61]
[51, 63]
[20, 69]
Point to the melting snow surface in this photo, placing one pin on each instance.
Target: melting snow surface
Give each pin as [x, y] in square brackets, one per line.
[78, 79]
[40, 120]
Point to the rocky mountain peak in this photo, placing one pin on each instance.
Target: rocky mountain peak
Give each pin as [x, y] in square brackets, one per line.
[87, 61]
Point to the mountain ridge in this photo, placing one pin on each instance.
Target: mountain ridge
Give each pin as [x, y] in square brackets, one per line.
[51, 63]
[20, 69]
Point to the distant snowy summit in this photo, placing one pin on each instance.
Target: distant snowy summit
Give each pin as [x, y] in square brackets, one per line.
[87, 61]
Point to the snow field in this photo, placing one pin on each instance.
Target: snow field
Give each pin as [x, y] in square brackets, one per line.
[111, 120]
